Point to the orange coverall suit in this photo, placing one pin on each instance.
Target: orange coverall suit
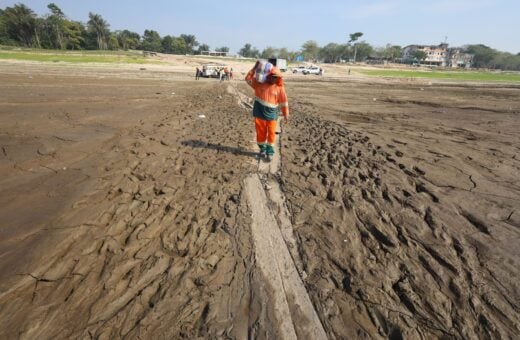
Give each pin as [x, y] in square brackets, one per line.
[270, 99]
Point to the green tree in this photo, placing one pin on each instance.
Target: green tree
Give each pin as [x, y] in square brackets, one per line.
[113, 42]
[4, 39]
[203, 48]
[191, 42]
[269, 52]
[249, 52]
[391, 52]
[56, 25]
[284, 53]
[151, 41]
[419, 55]
[179, 46]
[310, 50]
[222, 49]
[128, 40]
[3, 32]
[353, 38]
[58, 32]
[166, 43]
[99, 27]
[505, 61]
[332, 52]
[75, 33]
[483, 55]
[174, 45]
[364, 50]
[20, 25]
[246, 50]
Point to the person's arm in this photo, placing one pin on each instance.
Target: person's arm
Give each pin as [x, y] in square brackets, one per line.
[250, 77]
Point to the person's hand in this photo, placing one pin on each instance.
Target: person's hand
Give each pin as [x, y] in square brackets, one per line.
[285, 119]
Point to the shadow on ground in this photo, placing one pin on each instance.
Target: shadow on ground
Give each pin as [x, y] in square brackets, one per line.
[218, 147]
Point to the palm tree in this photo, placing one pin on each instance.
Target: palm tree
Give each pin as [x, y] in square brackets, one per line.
[98, 25]
[190, 41]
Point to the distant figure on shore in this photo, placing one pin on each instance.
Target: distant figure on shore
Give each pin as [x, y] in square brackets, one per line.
[226, 73]
[349, 72]
[230, 73]
[197, 74]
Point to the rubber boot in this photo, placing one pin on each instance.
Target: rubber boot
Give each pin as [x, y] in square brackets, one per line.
[269, 150]
[263, 150]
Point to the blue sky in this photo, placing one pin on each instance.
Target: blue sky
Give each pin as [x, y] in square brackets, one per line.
[291, 23]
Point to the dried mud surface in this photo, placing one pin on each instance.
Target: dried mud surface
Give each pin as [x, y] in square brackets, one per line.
[406, 205]
[122, 211]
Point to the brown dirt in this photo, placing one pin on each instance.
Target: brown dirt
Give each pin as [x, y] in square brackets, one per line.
[406, 204]
[123, 213]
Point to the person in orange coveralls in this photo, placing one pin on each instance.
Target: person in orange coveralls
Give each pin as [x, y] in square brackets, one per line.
[270, 99]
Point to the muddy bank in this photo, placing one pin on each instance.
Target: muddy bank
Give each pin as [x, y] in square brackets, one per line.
[123, 209]
[407, 212]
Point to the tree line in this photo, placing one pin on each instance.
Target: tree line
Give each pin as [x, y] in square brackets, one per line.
[20, 26]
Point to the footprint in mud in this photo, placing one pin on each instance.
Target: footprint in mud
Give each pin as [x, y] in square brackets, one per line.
[390, 159]
[406, 193]
[419, 170]
[476, 222]
[420, 187]
[399, 142]
[406, 171]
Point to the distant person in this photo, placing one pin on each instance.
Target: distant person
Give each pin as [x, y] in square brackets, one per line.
[349, 72]
[226, 73]
[197, 74]
[231, 73]
[321, 72]
[270, 99]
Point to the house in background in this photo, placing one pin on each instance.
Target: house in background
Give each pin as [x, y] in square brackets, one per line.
[214, 53]
[439, 55]
[457, 58]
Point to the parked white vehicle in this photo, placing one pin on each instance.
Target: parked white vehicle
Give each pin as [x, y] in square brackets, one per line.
[312, 70]
[211, 70]
[299, 69]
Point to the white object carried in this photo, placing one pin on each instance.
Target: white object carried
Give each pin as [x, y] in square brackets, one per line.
[263, 68]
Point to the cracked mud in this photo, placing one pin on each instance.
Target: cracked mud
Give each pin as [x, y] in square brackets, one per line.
[123, 212]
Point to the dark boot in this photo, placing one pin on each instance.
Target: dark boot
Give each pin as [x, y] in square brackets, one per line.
[269, 150]
[263, 150]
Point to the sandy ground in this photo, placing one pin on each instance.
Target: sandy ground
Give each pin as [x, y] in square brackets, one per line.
[123, 212]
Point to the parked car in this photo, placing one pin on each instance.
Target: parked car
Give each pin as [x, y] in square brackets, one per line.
[312, 70]
[299, 69]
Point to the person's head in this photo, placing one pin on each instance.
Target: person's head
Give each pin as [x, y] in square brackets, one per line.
[275, 76]
[272, 79]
